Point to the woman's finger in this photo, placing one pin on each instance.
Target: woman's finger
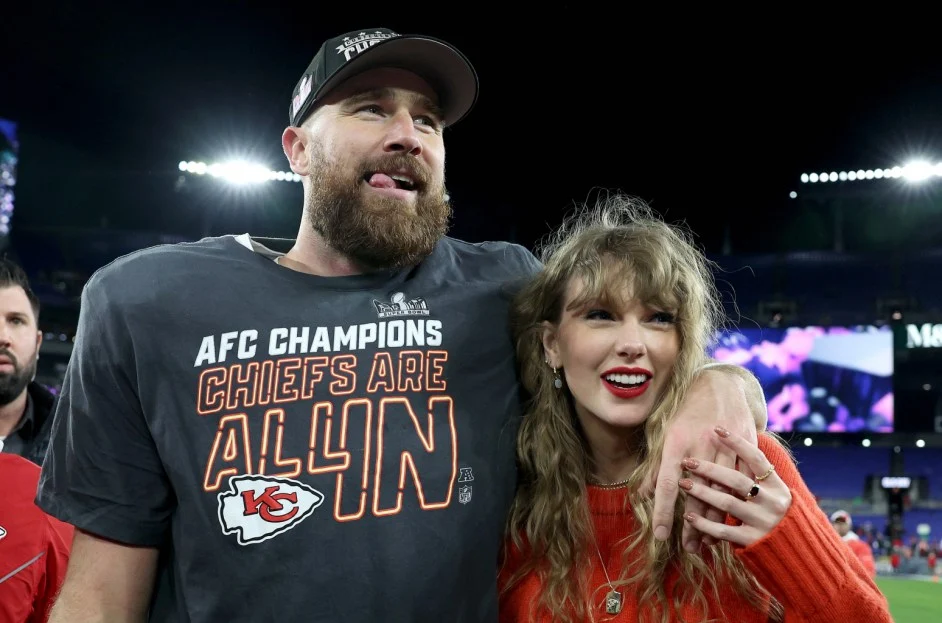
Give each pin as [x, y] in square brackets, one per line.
[749, 454]
[750, 514]
[740, 535]
[732, 480]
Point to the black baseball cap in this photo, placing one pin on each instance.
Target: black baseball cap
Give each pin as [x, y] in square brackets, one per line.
[440, 64]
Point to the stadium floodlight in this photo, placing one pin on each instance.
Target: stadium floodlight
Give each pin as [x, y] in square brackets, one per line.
[918, 171]
[915, 171]
[238, 172]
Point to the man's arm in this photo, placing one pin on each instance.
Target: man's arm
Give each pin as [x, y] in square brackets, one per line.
[755, 397]
[725, 395]
[102, 472]
[106, 582]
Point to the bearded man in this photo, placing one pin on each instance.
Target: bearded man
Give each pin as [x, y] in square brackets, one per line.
[318, 429]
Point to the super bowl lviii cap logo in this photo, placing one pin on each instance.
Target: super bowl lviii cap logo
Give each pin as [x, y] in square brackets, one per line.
[304, 91]
[399, 305]
[257, 508]
[352, 46]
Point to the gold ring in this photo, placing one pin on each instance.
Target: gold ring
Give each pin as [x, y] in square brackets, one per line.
[753, 492]
[767, 474]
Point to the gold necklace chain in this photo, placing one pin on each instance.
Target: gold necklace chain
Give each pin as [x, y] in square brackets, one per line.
[613, 598]
[613, 485]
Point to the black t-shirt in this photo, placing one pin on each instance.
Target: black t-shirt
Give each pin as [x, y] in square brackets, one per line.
[301, 448]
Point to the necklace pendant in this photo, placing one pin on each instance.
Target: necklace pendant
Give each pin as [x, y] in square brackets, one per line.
[613, 602]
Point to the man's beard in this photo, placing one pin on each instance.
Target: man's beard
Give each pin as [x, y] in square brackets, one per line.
[376, 232]
[12, 384]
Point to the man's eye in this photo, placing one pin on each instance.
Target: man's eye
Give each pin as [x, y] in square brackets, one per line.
[429, 121]
[373, 109]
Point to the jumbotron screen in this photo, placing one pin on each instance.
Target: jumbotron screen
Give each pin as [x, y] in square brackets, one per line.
[818, 379]
[9, 157]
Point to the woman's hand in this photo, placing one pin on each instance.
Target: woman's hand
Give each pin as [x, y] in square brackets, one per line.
[759, 503]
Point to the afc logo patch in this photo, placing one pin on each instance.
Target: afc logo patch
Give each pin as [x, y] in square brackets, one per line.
[257, 508]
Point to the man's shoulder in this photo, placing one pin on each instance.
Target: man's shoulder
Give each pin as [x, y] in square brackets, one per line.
[486, 248]
[150, 267]
[40, 394]
[44, 407]
[16, 470]
[499, 258]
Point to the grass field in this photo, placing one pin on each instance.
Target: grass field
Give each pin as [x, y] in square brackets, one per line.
[913, 601]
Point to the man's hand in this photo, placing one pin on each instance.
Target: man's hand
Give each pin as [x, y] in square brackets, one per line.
[724, 395]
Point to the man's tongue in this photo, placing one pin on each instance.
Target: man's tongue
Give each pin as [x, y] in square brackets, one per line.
[381, 180]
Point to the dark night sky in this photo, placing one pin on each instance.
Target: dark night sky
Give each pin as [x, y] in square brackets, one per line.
[709, 115]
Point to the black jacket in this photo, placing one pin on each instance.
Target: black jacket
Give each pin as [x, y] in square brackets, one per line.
[43, 403]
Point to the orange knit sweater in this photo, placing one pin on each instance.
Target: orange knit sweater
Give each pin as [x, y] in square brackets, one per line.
[802, 562]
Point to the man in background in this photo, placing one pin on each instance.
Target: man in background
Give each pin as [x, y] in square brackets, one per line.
[844, 525]
[34, 546]
[26, 406]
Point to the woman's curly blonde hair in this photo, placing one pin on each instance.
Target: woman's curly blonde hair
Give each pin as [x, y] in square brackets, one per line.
[618, 243]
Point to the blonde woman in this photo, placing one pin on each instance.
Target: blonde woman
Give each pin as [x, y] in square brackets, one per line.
[610, 336]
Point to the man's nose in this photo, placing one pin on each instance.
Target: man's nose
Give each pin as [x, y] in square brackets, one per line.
[403, 137]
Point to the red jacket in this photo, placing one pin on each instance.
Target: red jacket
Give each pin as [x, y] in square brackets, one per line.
[863, 552]
[34, 547]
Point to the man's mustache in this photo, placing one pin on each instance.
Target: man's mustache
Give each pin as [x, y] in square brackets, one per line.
[399, 163]
[9, 355]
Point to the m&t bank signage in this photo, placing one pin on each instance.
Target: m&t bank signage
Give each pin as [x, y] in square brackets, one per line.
[926, 335]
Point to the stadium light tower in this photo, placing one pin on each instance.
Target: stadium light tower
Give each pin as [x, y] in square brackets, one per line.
[238, 172]
[242, 179]
[834, 188]
[921, 170]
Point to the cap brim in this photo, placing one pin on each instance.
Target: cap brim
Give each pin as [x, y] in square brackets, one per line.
[446, 70]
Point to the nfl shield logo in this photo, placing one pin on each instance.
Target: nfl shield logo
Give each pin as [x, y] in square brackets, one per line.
[464, 494]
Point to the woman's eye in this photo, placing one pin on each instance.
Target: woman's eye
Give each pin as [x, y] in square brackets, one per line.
[663, 318]
[598, 314]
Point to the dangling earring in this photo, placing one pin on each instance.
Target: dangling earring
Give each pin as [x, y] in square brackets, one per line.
[557, 381]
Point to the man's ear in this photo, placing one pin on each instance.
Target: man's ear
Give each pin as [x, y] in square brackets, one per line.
[294, 142]
[551, 345]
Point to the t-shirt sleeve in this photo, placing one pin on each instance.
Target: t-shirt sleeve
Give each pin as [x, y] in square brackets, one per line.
[519, 266]
[102, 472]
[529, 264]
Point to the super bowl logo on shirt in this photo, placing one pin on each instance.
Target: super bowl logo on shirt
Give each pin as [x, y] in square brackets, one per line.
[257, 508]
[399, 305]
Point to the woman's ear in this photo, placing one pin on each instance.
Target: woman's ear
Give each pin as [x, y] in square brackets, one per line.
[551, 345]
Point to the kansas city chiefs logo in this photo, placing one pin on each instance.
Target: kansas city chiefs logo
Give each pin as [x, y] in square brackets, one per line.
[3, 532]
[257, 508]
